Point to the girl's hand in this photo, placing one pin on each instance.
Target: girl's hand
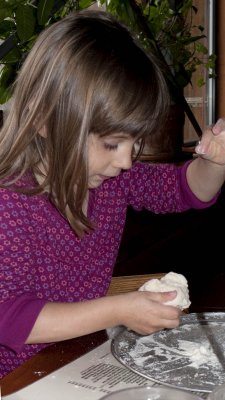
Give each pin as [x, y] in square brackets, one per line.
[145, 313]
[212, 144]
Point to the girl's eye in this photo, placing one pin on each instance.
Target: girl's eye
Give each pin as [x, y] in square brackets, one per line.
[109, 146]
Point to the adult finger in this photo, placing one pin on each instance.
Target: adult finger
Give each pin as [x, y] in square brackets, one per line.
[219, 126]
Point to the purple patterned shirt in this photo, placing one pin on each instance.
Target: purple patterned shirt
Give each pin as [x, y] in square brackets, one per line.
[42, 259]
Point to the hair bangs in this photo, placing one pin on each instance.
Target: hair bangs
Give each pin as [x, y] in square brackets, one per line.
[130, 103]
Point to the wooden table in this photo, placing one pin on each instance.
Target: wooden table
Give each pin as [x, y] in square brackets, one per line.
[62, 353]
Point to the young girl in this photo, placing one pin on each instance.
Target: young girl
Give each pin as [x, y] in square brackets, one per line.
[85, 96]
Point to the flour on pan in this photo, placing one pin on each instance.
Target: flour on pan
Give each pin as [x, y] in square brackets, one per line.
[197, 354]
[190, 357]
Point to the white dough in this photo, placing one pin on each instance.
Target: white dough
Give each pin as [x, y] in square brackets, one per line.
[171, 281]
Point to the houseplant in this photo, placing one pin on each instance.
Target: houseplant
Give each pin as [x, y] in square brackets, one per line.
[164, 26]
[168, 28]
[20, 23]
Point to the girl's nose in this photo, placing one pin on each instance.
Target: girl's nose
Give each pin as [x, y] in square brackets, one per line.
[124, 161]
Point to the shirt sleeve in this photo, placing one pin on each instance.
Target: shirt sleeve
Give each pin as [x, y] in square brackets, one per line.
[19, 304]
[188, 196]
[17, 317]
[161, 188]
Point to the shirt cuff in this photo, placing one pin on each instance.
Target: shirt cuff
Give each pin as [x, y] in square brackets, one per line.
[188, 196]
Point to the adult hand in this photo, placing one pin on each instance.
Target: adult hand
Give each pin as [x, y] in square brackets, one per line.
[212, 144]
[219, 126]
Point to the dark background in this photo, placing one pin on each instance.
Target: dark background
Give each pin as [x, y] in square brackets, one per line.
[191, 243]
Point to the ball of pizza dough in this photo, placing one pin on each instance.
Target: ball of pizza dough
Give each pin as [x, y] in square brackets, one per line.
[170, 281]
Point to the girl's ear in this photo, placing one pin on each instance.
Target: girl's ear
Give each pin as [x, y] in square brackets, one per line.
[43, 131]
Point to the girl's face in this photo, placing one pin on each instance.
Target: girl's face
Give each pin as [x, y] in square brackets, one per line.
[107, 156]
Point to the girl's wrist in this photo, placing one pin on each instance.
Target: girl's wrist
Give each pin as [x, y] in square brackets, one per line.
[119, 311]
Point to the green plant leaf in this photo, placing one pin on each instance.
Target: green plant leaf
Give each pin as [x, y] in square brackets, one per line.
[211, 62]
[6, 74]
[25, 22]
[12, 57]
[10, 3]
[201, 48]
[44, 9]
[6, 28]
[192, 39]
[5, 95]
[200, 82]
[85, 4]
[5, 13]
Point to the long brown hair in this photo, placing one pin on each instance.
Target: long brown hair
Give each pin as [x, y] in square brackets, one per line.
[85, 73]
